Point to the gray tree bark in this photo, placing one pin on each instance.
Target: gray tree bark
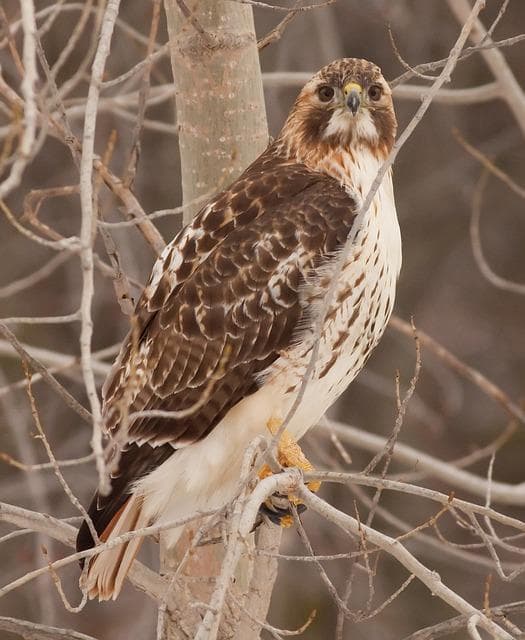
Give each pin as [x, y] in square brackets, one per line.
[222, 128]
[219, 94]
[257, 598]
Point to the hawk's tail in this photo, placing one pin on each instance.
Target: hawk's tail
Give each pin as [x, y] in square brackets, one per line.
[122, 510]
[108, 569]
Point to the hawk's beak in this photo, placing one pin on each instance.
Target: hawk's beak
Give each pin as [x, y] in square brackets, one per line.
[352, 92]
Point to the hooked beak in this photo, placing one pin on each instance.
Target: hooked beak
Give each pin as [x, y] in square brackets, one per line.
[352, 92]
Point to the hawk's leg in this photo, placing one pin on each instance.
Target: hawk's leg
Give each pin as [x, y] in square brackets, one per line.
[289, 454]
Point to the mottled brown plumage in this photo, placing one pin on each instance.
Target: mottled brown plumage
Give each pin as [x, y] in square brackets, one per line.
[230, 300]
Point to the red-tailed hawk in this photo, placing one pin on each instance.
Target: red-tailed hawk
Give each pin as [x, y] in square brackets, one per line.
[226, 322]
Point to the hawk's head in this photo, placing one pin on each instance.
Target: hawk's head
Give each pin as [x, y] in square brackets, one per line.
[347, 104]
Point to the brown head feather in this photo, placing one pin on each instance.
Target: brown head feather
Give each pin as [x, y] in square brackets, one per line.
[316, 128]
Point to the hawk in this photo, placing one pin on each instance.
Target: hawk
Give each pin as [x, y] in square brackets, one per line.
[225, 327]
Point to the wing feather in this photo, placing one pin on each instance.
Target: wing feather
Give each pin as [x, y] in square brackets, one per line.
[224, 298]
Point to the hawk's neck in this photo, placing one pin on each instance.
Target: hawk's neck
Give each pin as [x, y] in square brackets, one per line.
[354, 167]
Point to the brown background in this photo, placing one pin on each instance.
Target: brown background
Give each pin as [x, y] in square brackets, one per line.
[440, 286]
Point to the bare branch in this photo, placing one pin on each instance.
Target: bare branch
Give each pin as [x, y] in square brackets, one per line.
[56, 359]
[277, 32]
[131, 166]
[510, 89]
[475, 237]
[422, 492]
[40, 368]
[502, 492]
[34, 631]
[469, 51]
[429, 578]
[477, 378]
[489, 165]
[58, 473]
[142, 577]
[37, 276]
[87, 236]
[473, 95]
[45, 465]
[29, 80]
[456, 624]
[71, 317]
[273, 7]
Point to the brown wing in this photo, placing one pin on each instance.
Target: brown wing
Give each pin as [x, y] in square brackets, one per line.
[232, 303]
[222, 302]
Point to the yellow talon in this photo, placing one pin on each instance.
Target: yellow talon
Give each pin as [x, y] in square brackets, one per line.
[289, 454]
[286, 521]
[264, 472]
[273, 425]
[314, 486]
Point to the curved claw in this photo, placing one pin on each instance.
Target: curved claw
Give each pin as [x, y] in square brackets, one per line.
[282, 516]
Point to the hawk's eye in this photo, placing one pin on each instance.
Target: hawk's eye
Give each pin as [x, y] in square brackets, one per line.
[325, 93]
[375, 92]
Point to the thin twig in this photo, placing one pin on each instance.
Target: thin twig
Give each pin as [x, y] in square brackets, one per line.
[265, 5]
[87, 236]
[477, 249]
[148, 61]
[58, 585]
[58, 473]
[50, 379]
[65, 319]
[131, 164]
[489, 165]
[29, 81]
[402, 408]
[73, 462]
[429, 578]
[463, 369]
[277, 32]
[469, 51]
[403, 61]
[511, 91]
[456, 624]
[17, 286]
[35, 631]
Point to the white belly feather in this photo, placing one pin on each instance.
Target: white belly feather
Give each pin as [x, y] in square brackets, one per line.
[205, 475]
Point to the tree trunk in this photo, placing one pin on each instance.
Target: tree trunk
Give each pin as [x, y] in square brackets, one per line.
[222, 128]
[219, 95]
[257, 599]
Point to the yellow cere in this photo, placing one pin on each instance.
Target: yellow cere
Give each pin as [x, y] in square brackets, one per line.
[352, 86]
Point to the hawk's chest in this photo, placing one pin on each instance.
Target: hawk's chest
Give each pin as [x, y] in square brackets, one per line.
[356, 171]
[359, 309]
[366, 286]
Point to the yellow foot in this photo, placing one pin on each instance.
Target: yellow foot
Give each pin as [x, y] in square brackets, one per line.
[264, 472]
[289, 453]
[286, 522]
